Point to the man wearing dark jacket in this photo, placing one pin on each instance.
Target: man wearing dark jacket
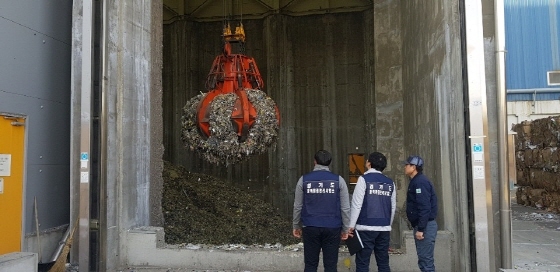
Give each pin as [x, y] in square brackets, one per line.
[321, 214]
[421, 211]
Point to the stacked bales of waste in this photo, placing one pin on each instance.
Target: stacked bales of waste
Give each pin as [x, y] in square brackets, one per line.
[537, 160]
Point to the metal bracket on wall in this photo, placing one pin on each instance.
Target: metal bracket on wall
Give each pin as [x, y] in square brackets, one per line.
[94, 224]
[15, 118]
[11, 116]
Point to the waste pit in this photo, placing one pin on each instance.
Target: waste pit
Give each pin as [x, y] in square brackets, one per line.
[202, 209]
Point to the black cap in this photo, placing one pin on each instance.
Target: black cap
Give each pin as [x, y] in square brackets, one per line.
[414, 160]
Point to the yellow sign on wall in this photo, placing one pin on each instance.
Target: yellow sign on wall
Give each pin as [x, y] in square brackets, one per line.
[12, 138]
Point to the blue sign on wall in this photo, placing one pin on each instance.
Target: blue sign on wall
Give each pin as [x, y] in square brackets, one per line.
[477, 148]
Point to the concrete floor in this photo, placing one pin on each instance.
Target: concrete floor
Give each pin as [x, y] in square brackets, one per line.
[536, 239]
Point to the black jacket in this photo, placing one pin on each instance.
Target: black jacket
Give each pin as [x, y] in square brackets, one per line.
[421, 202]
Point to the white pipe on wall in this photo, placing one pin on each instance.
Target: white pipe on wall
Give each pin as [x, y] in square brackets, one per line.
[536, 90]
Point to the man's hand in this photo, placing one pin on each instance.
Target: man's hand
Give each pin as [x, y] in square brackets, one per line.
[351, 232]
[297, 233]
[419, 235]
[344, 236]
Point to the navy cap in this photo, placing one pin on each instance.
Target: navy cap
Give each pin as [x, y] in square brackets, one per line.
[414, 160]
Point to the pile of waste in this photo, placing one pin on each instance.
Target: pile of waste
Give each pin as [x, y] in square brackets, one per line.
[202, 209]
[223, 145]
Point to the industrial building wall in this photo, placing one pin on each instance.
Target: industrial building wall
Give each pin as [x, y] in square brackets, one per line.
[519, 111]
[433, 110]
[387, 118]
[317, 68]
[421, 48]
[35, 82]
[130, 124]
[532, 32]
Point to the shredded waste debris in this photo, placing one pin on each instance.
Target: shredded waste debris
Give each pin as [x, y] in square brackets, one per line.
[223, 145]
[201, 209]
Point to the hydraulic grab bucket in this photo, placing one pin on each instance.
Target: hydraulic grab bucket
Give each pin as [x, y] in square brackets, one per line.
[231, 73]
[234, 106]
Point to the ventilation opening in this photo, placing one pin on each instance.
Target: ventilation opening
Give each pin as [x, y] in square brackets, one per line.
[553, 77]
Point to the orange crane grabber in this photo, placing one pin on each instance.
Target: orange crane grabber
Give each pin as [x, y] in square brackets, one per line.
[232, 73]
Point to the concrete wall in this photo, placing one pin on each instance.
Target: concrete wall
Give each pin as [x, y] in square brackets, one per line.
[146, 248]
[387, 57]
[434, 125]
[133, 97]
[131, 92]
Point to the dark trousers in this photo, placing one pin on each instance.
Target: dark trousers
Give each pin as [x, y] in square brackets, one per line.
[377, 242]
[316, 239]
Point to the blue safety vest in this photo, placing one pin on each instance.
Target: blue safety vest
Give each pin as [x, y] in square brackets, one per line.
[376, 207]
[321, 200]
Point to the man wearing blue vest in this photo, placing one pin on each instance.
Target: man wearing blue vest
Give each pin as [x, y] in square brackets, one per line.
[373, 208]
[421, 211]
[321, 214]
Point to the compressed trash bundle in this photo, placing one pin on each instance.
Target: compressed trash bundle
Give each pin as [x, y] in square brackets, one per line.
[224, 146]
[537, 162]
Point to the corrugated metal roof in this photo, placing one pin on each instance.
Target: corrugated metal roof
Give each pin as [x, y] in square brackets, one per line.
[531, 43]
